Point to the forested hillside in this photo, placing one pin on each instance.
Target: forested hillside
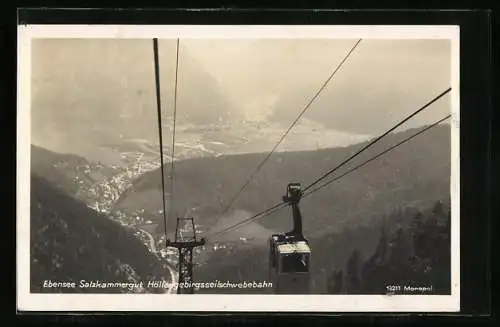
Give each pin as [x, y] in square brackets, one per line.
[405, 247]
[70, 173]
[417, 255]
[414, 174]
[70, 242]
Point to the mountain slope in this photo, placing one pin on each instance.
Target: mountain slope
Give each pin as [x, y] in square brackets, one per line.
[414, 174]
[71, 173]
[70, 242]
[59, 169]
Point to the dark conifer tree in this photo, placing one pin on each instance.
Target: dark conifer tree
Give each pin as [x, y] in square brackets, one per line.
[353, 272]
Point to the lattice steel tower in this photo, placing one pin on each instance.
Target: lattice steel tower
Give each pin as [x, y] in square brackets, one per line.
[185, 241]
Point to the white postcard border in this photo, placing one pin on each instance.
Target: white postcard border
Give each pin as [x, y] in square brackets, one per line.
[201, 302]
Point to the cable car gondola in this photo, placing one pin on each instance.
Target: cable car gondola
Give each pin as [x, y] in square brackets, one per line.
[289, 253]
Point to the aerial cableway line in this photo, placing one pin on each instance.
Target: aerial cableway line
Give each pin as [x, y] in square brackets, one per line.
[307, 191]
[303, 111]
[171, 199]
[376, 140]
[160, 134]
[289, 252]
[289, 262]
[281, 205]
[380, 154]
[184, 246]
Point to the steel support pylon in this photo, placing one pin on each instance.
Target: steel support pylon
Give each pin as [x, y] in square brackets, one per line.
[185, 241]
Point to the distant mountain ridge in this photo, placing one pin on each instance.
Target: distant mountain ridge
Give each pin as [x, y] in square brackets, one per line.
[114, 99]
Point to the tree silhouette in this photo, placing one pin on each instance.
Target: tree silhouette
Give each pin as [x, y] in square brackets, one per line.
[335, 281]
[353, 271]
[416, 223]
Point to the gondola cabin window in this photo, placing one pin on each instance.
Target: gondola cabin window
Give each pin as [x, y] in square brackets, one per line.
[294, 257]
[295, 262]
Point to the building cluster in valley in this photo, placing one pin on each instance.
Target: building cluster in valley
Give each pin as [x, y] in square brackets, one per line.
[101, 186]
[103, 194]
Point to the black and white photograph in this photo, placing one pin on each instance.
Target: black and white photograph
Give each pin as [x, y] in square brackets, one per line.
[238, 168]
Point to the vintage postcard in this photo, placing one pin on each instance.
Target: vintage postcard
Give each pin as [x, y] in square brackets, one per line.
[238, 168]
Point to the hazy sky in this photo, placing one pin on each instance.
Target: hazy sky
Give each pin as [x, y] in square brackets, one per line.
[259, 71]
[78, 83]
